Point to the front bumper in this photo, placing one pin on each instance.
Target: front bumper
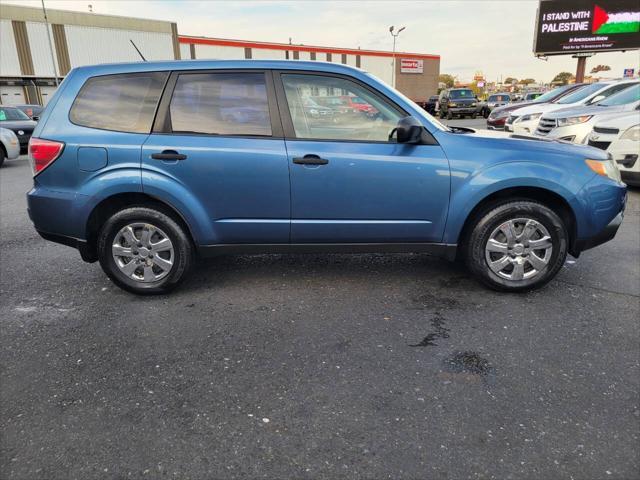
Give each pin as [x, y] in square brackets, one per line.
[570, 133]
[463, 110]
[496, 123]
[603, 204]
[606, 234]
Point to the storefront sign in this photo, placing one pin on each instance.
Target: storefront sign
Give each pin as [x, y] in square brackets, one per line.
[410, 65]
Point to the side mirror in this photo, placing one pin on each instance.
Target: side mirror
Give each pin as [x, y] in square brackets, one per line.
[35, 118]
[408, 130]
[597, 99]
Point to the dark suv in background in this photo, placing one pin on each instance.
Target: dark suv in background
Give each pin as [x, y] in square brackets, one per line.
[458, 102]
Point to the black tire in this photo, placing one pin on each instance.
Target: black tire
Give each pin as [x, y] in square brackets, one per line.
[485, 113]
[474, 116]
[182, 249]
[2, 156]
[490, 219]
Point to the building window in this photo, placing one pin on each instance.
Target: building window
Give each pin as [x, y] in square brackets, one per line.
[358, 61]
[344, 58]
[296, 55]
[328, 57]
[312, 55]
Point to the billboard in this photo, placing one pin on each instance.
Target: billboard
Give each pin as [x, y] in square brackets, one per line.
[581, 26]
[410, 65]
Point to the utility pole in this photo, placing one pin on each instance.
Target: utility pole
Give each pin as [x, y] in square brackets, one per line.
[53, 56]
[394, 35]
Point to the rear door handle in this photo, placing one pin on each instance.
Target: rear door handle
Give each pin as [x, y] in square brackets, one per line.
[310, 159]
[168, 155]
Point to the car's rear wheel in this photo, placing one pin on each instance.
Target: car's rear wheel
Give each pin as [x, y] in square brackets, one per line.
[2, 156]
[144, 250]
[517, 246]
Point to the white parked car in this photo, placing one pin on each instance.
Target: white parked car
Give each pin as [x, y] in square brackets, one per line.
[575, 124]
[9, 145]
[620, 136]
[527, 118]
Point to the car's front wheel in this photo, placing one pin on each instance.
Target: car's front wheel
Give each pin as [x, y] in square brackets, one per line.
[144, 250]
[517, 246]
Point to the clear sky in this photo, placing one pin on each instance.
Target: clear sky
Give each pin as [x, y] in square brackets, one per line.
[494, 37]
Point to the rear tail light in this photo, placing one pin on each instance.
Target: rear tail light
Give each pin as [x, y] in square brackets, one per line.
[42, 153]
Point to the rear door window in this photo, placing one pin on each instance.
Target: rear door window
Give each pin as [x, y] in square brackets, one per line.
[123, 102]
[221, 104]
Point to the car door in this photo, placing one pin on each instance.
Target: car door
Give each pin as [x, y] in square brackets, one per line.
[349, 182]
[217, 149]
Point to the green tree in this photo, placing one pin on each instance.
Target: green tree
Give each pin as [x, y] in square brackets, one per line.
[600, 68]
[510, 80]
[563, 78]
[527, 81]
[447, 79]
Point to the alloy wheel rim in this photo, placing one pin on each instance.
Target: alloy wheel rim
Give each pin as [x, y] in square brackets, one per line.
[519, 249]
[143, 252]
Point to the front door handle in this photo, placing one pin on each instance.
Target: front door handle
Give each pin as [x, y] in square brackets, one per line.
[310, 159]
[168, 155]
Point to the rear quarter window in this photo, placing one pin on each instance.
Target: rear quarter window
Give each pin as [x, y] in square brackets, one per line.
[122, 102]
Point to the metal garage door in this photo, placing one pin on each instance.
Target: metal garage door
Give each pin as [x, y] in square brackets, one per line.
[47, 93]
[11, 95]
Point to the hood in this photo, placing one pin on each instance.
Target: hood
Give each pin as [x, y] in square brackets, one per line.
[584, 110]
[543, 108]
[621, 122]
[513, 106]
[528, 143]
[18, 124]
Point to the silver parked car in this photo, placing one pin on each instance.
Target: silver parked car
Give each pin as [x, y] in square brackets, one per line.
[9, 145]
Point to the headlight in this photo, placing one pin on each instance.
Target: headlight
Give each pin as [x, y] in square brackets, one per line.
[562, 122]
[632, 134]
[606, 168]
[473, 104]
[313, 111]
[452, 104]
[529, 117]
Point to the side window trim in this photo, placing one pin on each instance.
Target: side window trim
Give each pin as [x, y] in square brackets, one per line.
[162, 124]
[285, 114]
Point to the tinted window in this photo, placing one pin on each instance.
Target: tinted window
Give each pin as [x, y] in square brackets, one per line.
[499, 98]
[462, 94]
[581, 93]
[627, 95]
[12, 114]
[372, 121]
[221, 104]
[124, 103]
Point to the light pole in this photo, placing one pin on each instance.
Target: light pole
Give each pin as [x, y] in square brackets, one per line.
[53, 57]
[394, 35]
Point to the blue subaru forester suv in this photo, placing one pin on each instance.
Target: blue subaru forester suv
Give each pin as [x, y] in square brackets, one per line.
[147, 167]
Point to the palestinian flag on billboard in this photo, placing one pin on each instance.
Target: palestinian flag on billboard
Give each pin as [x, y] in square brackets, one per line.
[615, 22]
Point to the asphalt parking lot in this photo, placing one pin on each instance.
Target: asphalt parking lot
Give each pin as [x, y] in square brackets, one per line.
[318, 366]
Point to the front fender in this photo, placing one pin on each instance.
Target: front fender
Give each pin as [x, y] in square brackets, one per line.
[468, 191]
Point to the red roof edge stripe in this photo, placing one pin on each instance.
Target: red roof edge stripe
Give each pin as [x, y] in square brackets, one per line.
[223, 42]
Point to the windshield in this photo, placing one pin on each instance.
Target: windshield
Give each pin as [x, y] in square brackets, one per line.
[461, 94]
[8, 114]
[628, 95]
[498, 98]
[582, 93]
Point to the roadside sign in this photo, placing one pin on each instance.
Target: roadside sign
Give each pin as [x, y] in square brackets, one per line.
[628, 72]
[581, 26]
[480, 84]
[411, 65]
